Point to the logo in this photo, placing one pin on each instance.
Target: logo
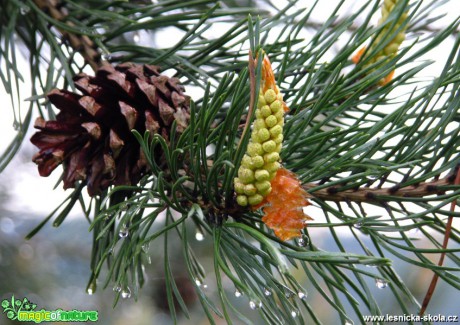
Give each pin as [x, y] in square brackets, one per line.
[25, 311]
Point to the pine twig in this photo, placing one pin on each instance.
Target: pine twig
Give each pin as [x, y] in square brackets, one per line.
[371, 195]
[252, 79]
[80, 43]
[434, 280]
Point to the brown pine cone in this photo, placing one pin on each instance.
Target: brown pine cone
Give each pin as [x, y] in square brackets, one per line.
[92, 136]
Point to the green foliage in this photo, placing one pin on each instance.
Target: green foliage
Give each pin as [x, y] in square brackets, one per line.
[343, 133]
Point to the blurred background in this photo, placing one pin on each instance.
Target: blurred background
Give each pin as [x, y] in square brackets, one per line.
[52, 269]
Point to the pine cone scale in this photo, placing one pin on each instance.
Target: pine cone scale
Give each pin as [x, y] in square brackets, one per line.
[119, 83]
[66, 101]
[166, 112]
[151, 124]
[55, 126]
[160, 84]
[148, 90]
[93, 129]
[89, 104]
[82, 83]
[129, 113]
[76, 169]
[115, 143]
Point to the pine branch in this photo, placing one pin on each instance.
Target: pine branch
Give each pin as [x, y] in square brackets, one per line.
[373, 195]
[342, 128]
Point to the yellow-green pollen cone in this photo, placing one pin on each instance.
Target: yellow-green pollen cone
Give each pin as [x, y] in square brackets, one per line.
[261, 161]
[392, 48]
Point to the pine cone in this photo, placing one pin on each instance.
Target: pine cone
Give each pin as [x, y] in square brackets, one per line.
[92, 136]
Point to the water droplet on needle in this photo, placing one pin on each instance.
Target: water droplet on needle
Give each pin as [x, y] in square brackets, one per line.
[126, 293]
[303, 241]
[381, 284]
[199, 236]
[124, 232]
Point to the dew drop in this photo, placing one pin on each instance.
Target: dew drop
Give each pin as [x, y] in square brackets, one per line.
[24, 10]
[371, 265]
[124, 232]
[267, 292]
[199, 236]
[254, 305]
[348, 322]
[372, 177]
[198, 282]
[302, 295]
[257, 224]
[16, 125]
[294, 314]
[381, 284]
[91, 288]
[238, 293]
[117, 288]
[126, 293]
[136, 37]
[146, 247]
[205, 286]
[358, 225]
[303, 241]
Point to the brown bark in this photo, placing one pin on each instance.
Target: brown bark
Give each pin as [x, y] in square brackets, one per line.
[371, 195]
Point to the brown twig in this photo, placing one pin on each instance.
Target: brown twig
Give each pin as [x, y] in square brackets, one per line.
[371, 195]
[434, 280]
[80, 43]
[252, 79]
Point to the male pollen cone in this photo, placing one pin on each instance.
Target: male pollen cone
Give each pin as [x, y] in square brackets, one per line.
[262, 182]
[283, 207]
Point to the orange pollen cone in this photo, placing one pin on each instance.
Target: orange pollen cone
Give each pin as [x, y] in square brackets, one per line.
[283, 207]
[387, 79]
[268, 77]
[357, 57]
